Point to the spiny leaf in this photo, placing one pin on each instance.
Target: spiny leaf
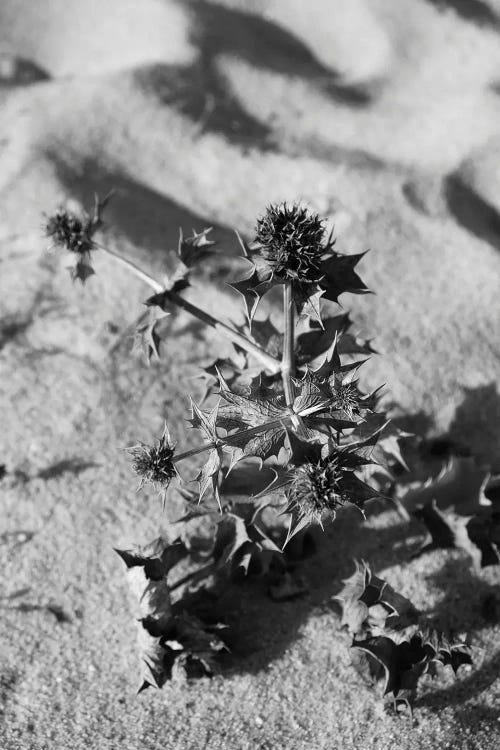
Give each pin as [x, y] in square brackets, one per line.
[194, 249]
[364, 593]
[406, 661]
[81, 271]
[242, 412]
[339, 276]
[209, 474]
[205, 421]
[254, 286]
[147, 334]
[266, 335]
[165, 635]
[242, 544]
[308, 301]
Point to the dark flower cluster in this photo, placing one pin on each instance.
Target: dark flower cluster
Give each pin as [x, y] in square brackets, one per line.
[71, 231]
[291, 240]
[74, 231]
[153, 463]
[320, 488]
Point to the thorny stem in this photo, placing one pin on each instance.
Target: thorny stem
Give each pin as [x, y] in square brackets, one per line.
[267, 360]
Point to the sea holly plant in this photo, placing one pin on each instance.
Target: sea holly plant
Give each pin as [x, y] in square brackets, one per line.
[287, 437]
[393, 642]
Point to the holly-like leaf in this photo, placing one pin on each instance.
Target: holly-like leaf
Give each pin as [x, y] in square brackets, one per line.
[339, 276]
[254, 286]
[242, 544]
[147, 335]
[209, 472]
[245, 414]
[406, 661]
[194, 249]
[165, 635]
[308, 301]
[148, 567]
[81, 271]
[266, 335]
[232, 369]
[370, 604]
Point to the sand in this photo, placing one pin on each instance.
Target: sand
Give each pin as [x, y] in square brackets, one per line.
[384, 117]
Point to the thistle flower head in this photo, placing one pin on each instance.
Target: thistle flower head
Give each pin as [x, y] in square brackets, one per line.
[347, 399]
[291, 239]
[153, 463]
[317, 489]
[71, 231]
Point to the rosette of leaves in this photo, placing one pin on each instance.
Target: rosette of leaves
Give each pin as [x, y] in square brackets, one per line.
[74, 231]
[291, 245]
[167, 634]
[399, 647]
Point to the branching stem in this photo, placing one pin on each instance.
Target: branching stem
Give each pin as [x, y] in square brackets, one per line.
[231, 439]
[270, 363]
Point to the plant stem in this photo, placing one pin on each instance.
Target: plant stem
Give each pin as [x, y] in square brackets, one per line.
[229, 440]
[271, 364]
[130, 266]
[288, 358]
[267, 360]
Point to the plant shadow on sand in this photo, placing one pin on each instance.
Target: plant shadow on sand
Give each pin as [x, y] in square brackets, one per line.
[261, 630]
[203, 92]
[475, 11]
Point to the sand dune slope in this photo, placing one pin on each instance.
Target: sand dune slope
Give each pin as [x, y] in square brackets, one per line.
[384, 117]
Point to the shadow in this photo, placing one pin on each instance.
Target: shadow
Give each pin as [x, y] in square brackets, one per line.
[148, 219]
[476, 424]
[476, 11]
[459, 583]
[18, 71]
[260, 629]
[200, 93]
[13, 327]
[471, 211]
[73, 466]
[264, 44]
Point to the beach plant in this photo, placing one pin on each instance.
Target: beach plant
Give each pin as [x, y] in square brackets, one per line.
[287, 437]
